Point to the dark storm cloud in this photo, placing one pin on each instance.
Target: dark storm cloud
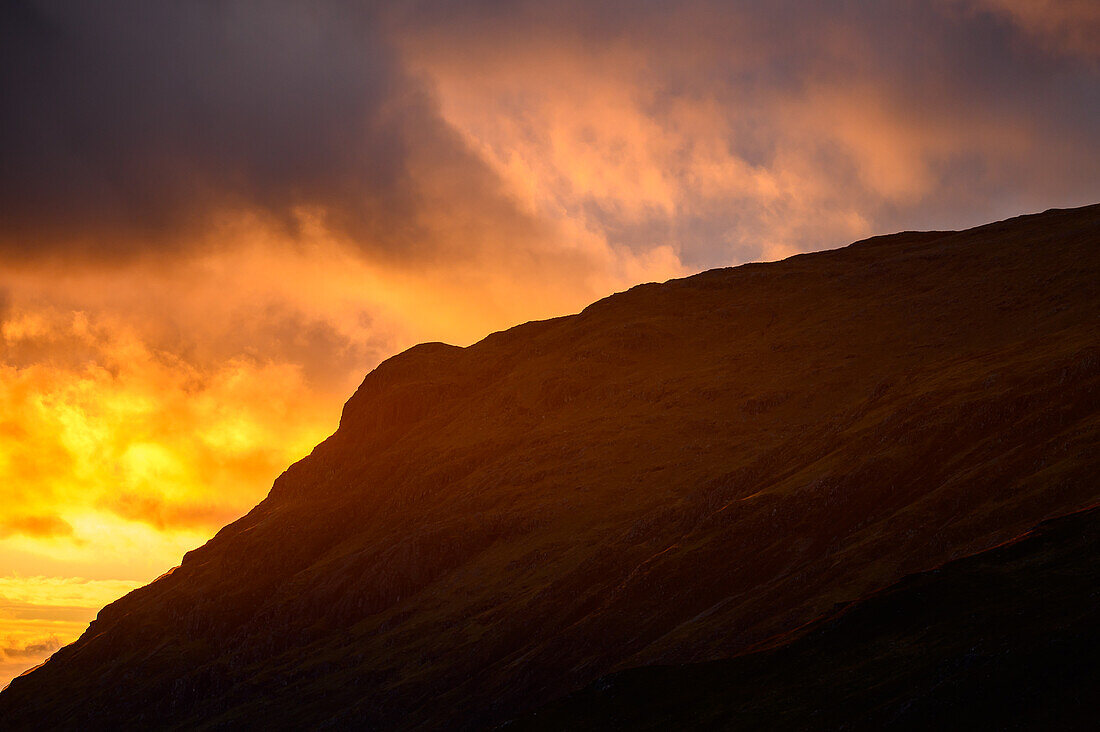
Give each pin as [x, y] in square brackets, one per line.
[131, 123]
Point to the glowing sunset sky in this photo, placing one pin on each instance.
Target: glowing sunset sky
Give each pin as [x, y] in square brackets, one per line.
[216, 217]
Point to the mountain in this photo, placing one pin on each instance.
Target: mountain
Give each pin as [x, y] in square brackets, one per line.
[680, 473]
[1005, 639]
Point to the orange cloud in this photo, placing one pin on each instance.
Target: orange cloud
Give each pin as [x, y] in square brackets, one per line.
[18, 655]
[135, 419]
[36, 649]
[735, 131]
[40, 526]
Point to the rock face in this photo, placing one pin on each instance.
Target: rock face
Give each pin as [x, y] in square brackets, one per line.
[677, 474]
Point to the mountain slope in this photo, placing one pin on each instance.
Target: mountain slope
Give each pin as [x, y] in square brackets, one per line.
[1005, 639]
[676, 474]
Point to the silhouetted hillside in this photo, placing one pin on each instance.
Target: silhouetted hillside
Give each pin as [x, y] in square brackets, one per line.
[677, 474]
[1006, 639]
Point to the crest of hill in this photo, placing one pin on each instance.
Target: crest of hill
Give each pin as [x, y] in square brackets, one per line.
[678, 473]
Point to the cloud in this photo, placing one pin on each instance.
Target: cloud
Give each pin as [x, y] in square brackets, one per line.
[571, 136]
[130, 125]
[18, 655]
[165, 514]
[41, 591]
[40, 614]
[14, 650]
[733, 131]
[38, 526]
[1060, 26]
[143, 434]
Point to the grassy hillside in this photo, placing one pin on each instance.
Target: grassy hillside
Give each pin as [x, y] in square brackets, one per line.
[677, 474]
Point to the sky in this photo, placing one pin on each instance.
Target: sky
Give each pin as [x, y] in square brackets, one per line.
[217, 217]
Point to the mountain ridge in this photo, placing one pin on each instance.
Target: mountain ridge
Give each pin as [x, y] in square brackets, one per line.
[677, 473]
